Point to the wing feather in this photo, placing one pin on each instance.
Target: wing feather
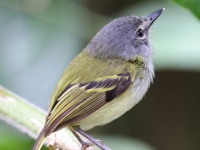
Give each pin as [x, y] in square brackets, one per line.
[82, 99]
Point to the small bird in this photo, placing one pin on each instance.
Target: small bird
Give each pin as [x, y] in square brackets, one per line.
[109, 77]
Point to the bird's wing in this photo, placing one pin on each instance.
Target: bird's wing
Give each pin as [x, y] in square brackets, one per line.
[78, 101]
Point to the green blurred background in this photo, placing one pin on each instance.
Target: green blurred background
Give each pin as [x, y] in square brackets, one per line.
[38, 39]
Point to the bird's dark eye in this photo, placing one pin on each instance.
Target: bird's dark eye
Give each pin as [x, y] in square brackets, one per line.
[140, 33]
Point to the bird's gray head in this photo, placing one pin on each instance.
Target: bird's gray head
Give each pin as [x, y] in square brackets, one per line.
[124, 38]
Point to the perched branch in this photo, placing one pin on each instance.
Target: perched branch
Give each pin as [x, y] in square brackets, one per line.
[29, 119]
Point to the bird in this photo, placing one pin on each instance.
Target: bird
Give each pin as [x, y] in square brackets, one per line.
[105, 80]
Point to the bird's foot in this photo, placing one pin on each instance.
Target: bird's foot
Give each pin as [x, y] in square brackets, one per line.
[87, 144]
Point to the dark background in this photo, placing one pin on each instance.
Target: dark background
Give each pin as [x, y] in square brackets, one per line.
[38, 39]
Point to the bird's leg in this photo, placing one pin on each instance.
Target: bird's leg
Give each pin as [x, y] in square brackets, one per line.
[84, 144]
[91, 141]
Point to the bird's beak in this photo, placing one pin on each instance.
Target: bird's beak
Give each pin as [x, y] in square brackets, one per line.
[152, 17]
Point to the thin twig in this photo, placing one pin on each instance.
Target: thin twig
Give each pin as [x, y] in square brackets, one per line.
[29, 119]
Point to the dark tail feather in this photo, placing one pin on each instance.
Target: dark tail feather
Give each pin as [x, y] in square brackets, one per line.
[39, 142]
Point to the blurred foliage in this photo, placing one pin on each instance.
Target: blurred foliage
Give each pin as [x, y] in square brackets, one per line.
[192, 5]
[11, 139]
[124, 143]
[38, 39]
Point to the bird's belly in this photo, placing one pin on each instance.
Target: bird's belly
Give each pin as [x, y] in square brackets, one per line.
[120, 105]
[116, 107]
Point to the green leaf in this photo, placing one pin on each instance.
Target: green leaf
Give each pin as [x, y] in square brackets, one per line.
[192, 5]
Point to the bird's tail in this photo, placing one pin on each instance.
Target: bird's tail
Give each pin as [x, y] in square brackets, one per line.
[39, 142]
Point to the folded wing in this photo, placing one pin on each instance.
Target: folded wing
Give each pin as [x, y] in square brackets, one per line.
[77, 101]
